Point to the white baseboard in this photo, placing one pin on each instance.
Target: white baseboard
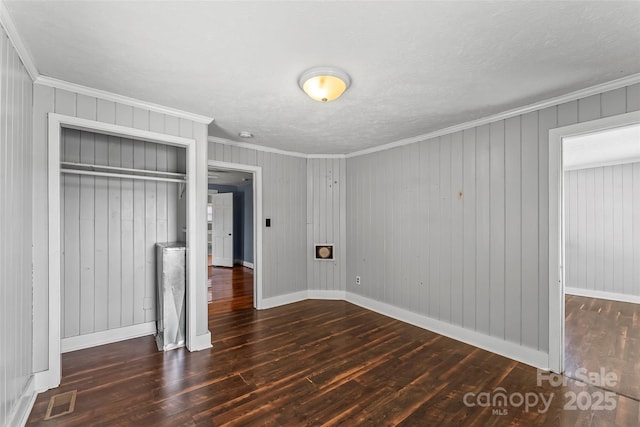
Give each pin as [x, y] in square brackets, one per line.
[527, 355]
[107, 337]
[243, 263]
[591, 293]
[530, 356]
[301, 296]
[328, 295]
[282, 300]
[45, 380]
[20, 412]
[201, 342]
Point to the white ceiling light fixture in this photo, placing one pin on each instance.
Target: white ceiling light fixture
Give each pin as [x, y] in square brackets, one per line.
[324, 84]
[245, 134]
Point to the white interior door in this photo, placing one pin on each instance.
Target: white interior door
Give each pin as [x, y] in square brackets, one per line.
[223, 229]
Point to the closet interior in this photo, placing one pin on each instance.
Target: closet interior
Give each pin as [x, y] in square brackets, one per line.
[119, 197]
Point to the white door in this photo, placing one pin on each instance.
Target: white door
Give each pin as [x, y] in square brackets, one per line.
[223, 229]
[210, 227]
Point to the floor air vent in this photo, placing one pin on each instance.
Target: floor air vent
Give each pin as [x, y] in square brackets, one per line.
[61, 404]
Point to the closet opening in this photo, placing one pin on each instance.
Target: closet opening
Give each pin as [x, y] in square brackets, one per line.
[114, 192]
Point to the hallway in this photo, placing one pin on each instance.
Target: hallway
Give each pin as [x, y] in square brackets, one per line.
[229, 289]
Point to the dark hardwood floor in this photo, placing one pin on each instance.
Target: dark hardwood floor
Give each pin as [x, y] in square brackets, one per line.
[230, 288]
[604, 334]
[314, 363]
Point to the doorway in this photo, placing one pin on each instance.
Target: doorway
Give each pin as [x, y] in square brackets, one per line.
[234, 215]
[591, 327]
[602, 248]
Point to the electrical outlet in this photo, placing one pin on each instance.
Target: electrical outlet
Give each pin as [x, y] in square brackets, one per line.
[358, 280]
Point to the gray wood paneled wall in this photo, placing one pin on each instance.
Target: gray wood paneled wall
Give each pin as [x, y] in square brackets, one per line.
[456, 227]
[109, 229]
[48, 99]
[284, 201]
[602, 223]
[16, 324]
[326, 222]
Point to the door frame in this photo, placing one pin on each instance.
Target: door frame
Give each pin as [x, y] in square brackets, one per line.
[556, 225]
[56, 122]
[256, 171]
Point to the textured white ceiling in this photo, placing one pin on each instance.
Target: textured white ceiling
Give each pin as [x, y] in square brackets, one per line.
[416, 66]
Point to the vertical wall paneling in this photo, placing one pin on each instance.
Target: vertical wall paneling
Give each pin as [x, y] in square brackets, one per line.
[375, 205]
[602, 241]
[627, 224]
[87, 229]
[446, 199]
[483, 218]
[114, 235]
[434, 229]
[530, 233]
[110, 228]
[469, 229]
[126, 229]
[16, 165]
[513, 230]
[497, 230]
[502, 222]
[633, 97]
[101, 239]
[284, 246]
[614, 102]
[597, 232]
[324, 202]
[422, 193]
[457, 228]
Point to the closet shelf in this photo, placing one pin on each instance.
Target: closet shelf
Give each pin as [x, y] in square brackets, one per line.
[118, 172]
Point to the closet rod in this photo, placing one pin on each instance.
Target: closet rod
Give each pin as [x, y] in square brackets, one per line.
[121, 175]
[115, 168]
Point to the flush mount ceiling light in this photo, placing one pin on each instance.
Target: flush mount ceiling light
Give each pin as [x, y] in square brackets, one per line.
[245, 134]
[324, 84]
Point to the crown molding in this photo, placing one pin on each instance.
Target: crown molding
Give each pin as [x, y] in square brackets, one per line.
[273, 150]
[9, 27]
[573, 96]
[110, 96]
[256, 147]
[326, 156]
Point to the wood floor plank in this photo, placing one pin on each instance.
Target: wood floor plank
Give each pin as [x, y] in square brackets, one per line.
[320, 363]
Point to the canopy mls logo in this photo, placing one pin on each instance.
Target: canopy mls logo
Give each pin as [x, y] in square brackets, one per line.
[499, 400]
[599, 400]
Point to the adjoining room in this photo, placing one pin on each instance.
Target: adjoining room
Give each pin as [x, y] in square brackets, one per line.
[602, 243]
